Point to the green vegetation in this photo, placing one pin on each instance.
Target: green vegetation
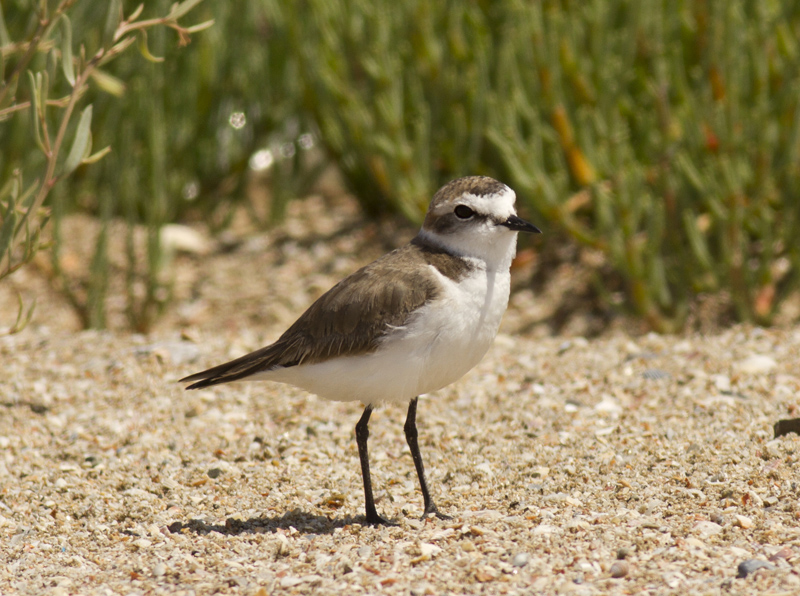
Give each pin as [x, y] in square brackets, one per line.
[665, 135]
[43, 115]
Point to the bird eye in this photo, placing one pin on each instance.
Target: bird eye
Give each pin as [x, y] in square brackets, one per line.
[463, 212]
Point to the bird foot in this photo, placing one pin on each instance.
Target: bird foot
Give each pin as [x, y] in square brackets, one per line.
[377, 520]
[436, 512]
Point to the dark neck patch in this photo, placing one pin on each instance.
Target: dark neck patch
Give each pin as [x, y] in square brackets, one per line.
[452, 266]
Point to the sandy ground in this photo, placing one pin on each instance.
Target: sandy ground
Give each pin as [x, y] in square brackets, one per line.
[620, 465]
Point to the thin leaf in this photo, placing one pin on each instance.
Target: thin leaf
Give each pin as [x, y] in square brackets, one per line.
[108, 83]
[7, 230]
[88, 150]
[95, 157]
[179, 10]
[11, 186]
[26, 199]
[117, 49]
[113, 19]
[82, 136]
[36, 129]
[145, 50]
[43, 82]
[53, 58]
[22, 319]
[4, 38]
[200, 26]
[66, 50]
[135, 14]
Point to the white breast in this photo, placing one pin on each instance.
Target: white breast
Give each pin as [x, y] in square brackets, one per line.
[442, 342]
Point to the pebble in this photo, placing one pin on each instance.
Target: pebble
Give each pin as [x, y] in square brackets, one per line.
[609, 488]
[486, 574]
[620, 569]
[214, 472]
[180, 238]
[625, 552]
[745, 568]
[485, 468]
[520, 560]
[429, 550]
[782, 554]
[178, 352]
[722, 383]
[744, 522]
[756, 364]
[707, 528]
[655, 374]
[364, 552]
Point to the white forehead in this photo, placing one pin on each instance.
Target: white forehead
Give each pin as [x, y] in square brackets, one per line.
[499, 204]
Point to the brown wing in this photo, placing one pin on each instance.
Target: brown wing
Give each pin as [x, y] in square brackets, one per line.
[349, 319]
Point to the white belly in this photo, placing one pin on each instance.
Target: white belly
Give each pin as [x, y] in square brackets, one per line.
[437, 347]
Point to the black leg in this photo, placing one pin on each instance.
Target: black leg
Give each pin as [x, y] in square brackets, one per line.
[411, 437]
[362, 434]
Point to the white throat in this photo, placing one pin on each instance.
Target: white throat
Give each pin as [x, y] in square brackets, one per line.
[494, 250]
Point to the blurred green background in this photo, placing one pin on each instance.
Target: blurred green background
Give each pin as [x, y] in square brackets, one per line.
[662, 134]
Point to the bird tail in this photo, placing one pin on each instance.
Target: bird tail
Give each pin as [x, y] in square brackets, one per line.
[259, 361]
[209, 377]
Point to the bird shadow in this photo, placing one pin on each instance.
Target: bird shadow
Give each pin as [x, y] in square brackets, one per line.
[303, 522]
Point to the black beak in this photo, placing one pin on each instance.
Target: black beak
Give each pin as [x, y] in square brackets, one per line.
[518, 224]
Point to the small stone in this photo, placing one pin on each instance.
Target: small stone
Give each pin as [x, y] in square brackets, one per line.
[782, 554]
[609, 405]
[717, 518]
[655, 374]
[177, 352]
[745, 568]
[159, 569]
[722, 383]
[290, 582]
[624, 552]
[179, 238]
[428, 550]
[283, 546]
[744, 522]
[620, 569]
[756, 364]
[485, 574]
[540, 472]
[485, 468]
[707, 528]
[214, 473]
[520, 560]
[364, 551]
[414, 523]
[477, 531]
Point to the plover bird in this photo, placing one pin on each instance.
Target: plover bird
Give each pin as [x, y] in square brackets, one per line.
[411, 322]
